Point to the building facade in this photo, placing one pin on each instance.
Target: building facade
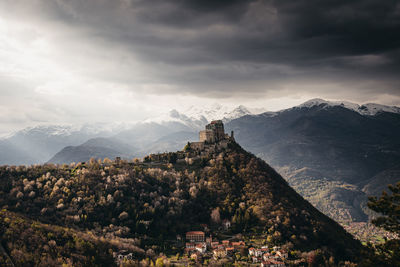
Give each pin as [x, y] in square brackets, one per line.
[214, 132]
[195, 236]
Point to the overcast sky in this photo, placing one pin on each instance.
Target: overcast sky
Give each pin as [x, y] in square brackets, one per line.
[74, 61]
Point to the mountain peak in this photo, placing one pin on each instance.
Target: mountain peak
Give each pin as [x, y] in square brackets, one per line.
[196, 117]
[369, 109]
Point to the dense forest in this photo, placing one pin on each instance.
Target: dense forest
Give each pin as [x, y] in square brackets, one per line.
[79, 214]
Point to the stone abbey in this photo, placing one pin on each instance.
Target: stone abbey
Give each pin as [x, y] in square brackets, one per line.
[214, 133]
[211, 140]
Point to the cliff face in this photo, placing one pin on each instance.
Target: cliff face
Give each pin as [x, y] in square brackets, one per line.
[153, 202]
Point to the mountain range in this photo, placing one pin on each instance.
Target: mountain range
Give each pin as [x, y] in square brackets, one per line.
[333, 153]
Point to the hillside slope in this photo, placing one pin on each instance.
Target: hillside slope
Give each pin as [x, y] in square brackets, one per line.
[154, 201]
[98, 148]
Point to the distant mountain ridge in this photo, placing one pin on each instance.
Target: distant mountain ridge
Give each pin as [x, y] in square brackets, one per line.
[195, 117]
[41, 143]
[370, 109]
[338, 148]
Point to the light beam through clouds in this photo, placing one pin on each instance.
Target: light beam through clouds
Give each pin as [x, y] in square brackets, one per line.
[127, 60]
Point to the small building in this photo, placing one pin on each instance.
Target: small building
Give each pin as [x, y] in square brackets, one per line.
[214, 244]
[255, 252]
[272, 263]
[202, 247]
[239, 244]
[225, 243]
[258, 252]
[122, 255]
[196, 256]
[282, 254]
[190, 245]
[195, 236]
[230, 251]
[252, 251]
[276, 248]
[267, 256]
[219, 253]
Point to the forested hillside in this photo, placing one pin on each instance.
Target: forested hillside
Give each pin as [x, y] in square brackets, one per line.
[144, 205]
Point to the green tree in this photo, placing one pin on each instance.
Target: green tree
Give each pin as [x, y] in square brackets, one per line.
[388, 206]
[187, 147]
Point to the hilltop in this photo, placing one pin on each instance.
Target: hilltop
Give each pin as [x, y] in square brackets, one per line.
[145, 205]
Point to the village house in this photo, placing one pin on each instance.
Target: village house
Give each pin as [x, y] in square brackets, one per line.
[196, 256]
[122, 255]
[273, 258]
[257, 252]
[219, 253]
[272, 263]
[197, 243]
[230, 251]
[195, 236]
[190, 245]
[282, 254]
[255, 259]
[238, 245]
[214, 244]
[202, 247]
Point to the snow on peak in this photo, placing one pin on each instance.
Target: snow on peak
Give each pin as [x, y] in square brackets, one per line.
[370, 109]
[196, 117]
[68, 129]
[217, 112]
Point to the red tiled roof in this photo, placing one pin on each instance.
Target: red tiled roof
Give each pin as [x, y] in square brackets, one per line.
[195, 233]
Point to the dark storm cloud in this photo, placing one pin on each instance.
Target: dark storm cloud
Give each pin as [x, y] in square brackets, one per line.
[201, 45]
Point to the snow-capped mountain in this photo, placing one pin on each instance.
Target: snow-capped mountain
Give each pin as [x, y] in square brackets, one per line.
[69, 129]
[196, 117]
[163, 133]
[326, 150]
[38, 144]
[217, 112]
[369, 109]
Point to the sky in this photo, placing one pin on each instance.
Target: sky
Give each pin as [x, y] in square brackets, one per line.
[75, 61]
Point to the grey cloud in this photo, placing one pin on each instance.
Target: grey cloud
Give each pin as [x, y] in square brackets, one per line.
[217, 47]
